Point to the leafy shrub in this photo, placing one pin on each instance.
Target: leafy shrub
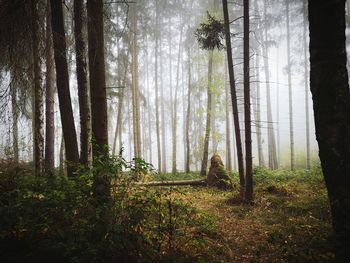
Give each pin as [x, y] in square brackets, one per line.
[57, 219]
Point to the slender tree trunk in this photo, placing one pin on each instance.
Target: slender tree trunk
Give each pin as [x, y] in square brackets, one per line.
[278, 112]
[173, 167]
[331, 103]
[208, 120]
[149, 113]
[135, 88]
[50, 96]
[98, 93]
[38, 118]
[156, 90]
[291, 129]
[234, 99]
[84, 110]
[228, 131]
[247, 117]
[162, 111]
[62, 165]
[258, 114]
[14, 109]
[118, 126]
[270, 129]
[188, 112]
[174, 139]
[306, 84]
[62, 80]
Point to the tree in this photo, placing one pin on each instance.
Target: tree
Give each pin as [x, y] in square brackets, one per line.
[80, 53]
[188, 113]
[49, 95]
[306, 84]
[208, 119]
[37, 93]
[135, 88]
[248, 193]
[156, 89]
[290, 95]
[234, 99]
[62, 82]
[14, 109]
[98, 94]
[331, 102]
[270, 129]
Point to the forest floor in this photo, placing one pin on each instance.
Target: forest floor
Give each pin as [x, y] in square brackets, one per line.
[288, 222]
[56, 219]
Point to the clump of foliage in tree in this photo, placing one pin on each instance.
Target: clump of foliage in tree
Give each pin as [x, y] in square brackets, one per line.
[211, 34]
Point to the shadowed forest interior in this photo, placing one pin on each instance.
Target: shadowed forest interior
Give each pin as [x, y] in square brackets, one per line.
[174, 131]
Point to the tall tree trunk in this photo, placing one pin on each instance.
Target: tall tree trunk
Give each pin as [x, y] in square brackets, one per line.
[14, 109]
[173, 162]
[62, 81]
[162, 111]
[208, 120]
[62, 165]
[247, 117]
[228, 131]
[278, 112]
[50, 95]
[331, 103]
[270, 129]
[234, 99]
[38, 118]
[135, 87]
[291, 129]
[174, 139]
[98, 93]
[306, 84]
[84, 110]
[149, 112]
[188, 112]
[118, 126]
[258, 114]
[157, 91]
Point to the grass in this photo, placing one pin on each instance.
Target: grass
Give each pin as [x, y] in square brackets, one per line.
[288, 222]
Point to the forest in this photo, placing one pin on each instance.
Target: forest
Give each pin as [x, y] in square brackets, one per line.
[174, 131]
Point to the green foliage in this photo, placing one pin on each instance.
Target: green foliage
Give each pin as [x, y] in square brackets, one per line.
[57, 219]
[211, 34]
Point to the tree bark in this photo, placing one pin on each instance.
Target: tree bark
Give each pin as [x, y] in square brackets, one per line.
[162, 114]
[195, 182]
[331, 103]
[228, 130]
[174, 139]
[50, 96]
[208, 119]
[188, 112]
[290, 95]
[270, 129]
[84, 110]
[38, 103]
[135, 88]
[62, 81]
[98, 93]
[306, 85]
[248, 197]
[14, 109]
[234, 99]
[157, 91]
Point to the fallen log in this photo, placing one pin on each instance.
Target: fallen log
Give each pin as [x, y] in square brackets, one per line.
[195, 182]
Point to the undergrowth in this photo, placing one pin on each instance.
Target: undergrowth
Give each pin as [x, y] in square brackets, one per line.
[56, 219]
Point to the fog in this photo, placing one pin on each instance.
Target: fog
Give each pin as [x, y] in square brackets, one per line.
[177, 50]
